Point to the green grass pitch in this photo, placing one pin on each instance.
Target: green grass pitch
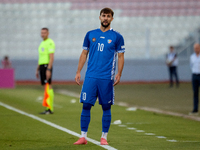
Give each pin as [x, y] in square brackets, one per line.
[140, 130]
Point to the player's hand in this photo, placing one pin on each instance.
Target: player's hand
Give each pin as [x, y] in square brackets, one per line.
[77, 78]
[37, 74]
[117, 79]
[48, 75]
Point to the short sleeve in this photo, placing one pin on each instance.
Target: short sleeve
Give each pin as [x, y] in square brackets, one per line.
[120, 44]
[51, 47]
[86, 42]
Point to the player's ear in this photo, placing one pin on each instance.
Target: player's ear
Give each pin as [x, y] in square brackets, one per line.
[99, 17]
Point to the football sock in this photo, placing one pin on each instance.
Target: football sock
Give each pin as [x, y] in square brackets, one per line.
[51, 99]
[104, 135]
[85, 117]
[83, 134]
[106, 120]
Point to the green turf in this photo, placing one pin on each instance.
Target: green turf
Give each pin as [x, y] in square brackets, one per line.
[157, 96]
[151, 95]
[21, 132]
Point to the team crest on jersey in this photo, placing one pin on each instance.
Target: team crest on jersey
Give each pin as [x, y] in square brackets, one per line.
[109, 41]
[42, 49]
[93, 39]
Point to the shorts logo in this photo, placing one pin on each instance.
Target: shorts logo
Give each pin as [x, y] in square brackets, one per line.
[84, 96]
[93, 39]
[109, 41]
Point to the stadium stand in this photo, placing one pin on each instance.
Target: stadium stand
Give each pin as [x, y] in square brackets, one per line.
[148, 26]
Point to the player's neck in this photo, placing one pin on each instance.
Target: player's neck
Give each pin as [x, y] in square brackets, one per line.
[45, 39]
[103, 29]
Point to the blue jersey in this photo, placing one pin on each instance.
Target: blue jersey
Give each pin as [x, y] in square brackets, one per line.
[103, 48]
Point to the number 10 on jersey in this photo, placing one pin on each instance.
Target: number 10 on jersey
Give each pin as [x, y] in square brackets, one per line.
[100, 47]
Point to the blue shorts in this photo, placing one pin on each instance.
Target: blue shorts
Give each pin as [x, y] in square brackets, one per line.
[101, 88]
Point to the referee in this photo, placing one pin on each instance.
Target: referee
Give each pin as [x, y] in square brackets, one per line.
[45, 64]
[195, 67]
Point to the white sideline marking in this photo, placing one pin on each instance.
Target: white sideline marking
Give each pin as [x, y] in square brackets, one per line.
[139, 130]
[161, 137]
[172, 140]
[131, 128]
[149, 133]
[55, 126]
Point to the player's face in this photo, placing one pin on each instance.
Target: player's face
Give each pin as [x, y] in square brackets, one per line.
[105, 19]
[44, 34]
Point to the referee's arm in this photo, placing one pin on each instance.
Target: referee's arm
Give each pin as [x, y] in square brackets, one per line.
[48, 73]
[37, 71]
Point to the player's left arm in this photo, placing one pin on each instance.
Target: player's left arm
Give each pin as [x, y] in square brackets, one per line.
[120, 68]
[51, 50]
[49, 67]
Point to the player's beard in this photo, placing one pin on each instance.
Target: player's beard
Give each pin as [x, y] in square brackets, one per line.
[105, 26]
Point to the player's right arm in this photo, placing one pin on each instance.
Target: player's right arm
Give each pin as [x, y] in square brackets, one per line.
[81, 63]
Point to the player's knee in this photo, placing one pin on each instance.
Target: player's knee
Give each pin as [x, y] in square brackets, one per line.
[87, 106]
[106, 107]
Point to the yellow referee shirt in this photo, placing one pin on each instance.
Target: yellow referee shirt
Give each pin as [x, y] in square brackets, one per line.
[46, 47]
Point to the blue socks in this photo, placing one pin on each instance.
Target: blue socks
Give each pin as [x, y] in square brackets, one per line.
[85, 117]
[106, 120]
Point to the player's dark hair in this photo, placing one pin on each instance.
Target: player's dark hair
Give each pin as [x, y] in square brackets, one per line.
[45, 29]
[171, 47]
[107, 11]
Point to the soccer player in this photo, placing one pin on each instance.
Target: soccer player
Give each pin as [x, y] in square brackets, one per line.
[45, 64]
[103, 45]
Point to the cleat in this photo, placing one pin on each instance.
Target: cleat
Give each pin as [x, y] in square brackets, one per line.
[103, 141]
[81, 141]
[46, 112]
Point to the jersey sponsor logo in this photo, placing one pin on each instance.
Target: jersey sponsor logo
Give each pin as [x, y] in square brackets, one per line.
[102, 37]
[109, 41]
[93, 39]
[123, 46]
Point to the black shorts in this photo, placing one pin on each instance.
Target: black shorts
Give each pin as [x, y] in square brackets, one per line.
[43, 69]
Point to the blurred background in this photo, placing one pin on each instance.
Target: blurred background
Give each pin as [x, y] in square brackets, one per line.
[149, 27]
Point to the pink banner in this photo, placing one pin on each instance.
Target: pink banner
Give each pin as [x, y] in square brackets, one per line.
[7, 78]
